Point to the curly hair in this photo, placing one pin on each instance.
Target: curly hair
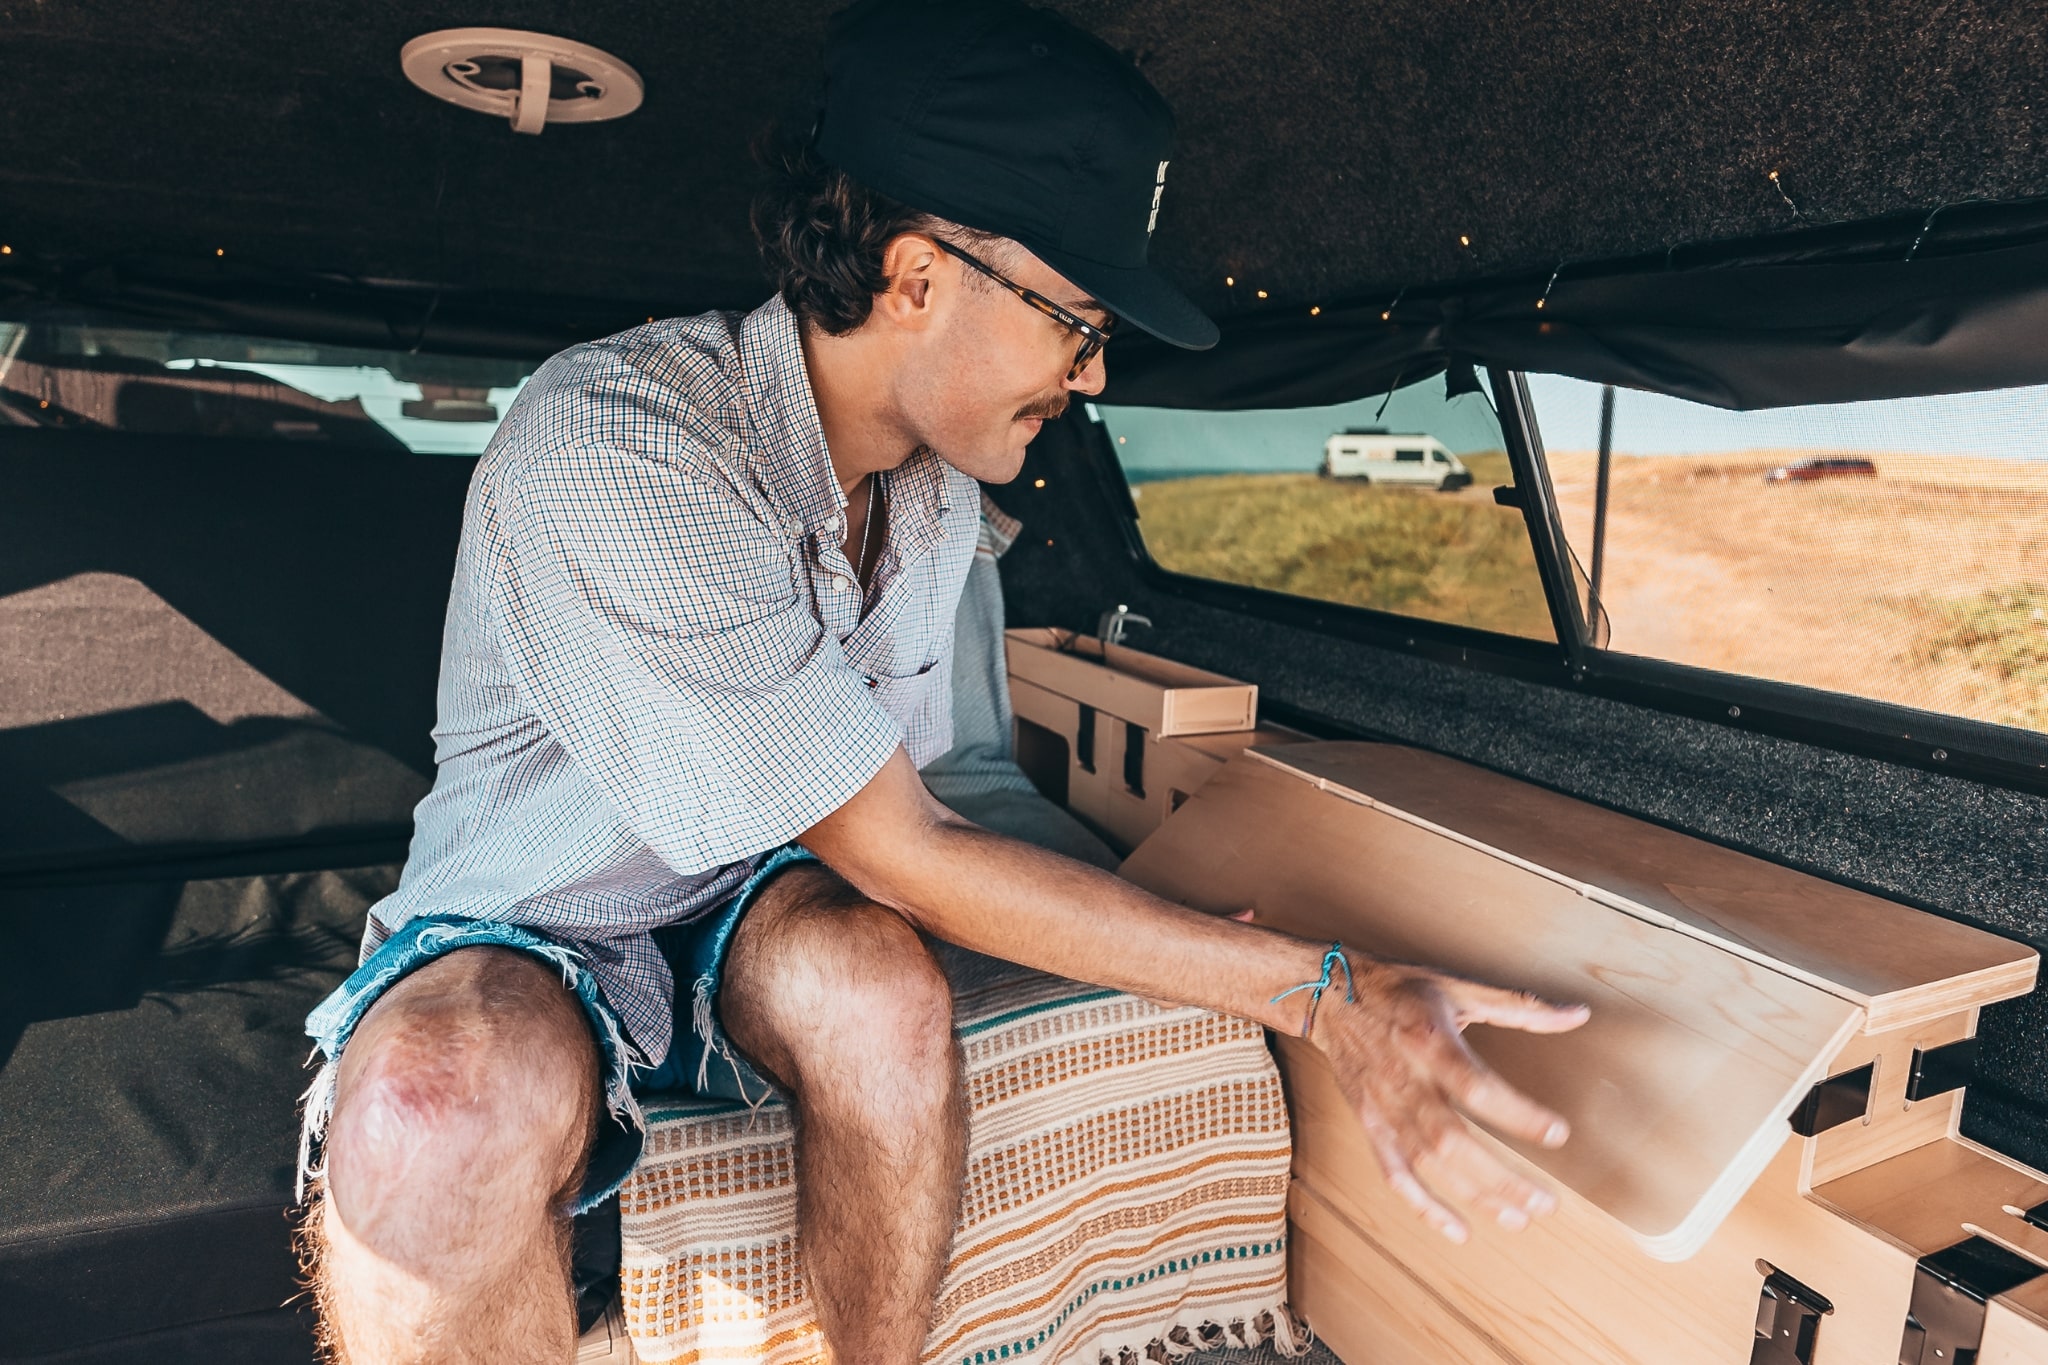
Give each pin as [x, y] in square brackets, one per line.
[822, 234]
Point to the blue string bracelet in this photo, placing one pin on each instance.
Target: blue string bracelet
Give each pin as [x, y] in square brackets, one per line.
[1331, 961]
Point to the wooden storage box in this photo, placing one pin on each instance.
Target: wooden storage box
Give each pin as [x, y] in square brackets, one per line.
[1730, 997]
[1164, 697]
[1121, 737]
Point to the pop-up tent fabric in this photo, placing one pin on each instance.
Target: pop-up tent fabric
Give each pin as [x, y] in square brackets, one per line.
[1762, 333]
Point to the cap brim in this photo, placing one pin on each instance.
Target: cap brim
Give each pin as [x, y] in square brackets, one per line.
[1140, 298]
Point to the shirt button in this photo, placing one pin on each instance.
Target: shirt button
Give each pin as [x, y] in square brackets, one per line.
[833, 524]
[840, 584]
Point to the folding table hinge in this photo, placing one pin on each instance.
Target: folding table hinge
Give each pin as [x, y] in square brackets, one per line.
[1788, 1318]
[1945, 1324]
[1938, 1070]
[1835, 1101]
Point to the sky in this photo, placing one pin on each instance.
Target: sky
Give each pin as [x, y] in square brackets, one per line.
[1155, 441]
[2007, 424]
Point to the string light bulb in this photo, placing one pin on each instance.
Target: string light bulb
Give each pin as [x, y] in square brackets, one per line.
[1315, 311]
[1464, 240]
[220, 251]
[6, 251]
[1038, 483]
[1387, 316]
[1230, 281]
[1262, 293]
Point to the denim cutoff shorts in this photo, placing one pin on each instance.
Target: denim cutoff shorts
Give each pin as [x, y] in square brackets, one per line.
[701, 1059]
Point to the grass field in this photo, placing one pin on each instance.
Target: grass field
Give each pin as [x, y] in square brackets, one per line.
[1444, 556]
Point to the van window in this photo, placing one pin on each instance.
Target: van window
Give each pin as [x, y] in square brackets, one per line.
[1410, 456]
[1894, 550]
[1276, 499]
[159, 382]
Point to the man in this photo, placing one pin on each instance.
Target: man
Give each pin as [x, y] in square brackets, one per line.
[697, 646]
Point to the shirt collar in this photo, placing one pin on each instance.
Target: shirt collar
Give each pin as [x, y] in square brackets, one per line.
[791, 458]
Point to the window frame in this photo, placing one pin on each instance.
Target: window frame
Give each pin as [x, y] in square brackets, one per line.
[1998, 755]
[2001, 755]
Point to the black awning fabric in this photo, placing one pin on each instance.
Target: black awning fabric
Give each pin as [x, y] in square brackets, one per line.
[1732, 336]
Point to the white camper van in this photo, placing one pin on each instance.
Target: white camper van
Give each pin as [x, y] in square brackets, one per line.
[1376, 455]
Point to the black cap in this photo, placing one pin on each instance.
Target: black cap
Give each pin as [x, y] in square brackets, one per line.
[1012, 121]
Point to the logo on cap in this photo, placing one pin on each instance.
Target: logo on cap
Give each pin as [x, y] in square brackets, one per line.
[1158, 188]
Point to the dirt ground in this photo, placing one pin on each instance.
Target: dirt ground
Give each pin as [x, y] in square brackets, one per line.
[1926, 586]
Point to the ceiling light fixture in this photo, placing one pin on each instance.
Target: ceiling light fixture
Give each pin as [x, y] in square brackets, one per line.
[528, 79]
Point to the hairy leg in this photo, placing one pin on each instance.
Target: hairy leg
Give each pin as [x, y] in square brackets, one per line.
[842, 1003]
[464, 1113]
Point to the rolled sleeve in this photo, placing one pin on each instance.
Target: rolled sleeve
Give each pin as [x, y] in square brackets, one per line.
[654, 621]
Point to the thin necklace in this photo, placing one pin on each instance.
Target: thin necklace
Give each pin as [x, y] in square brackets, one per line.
[867, 531]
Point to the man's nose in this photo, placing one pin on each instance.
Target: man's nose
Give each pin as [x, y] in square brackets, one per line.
[1092, 377]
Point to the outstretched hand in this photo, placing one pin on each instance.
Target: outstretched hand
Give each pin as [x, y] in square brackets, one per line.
[1398, 1048]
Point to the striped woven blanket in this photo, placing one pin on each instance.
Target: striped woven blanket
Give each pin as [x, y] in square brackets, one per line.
[1126, 1195]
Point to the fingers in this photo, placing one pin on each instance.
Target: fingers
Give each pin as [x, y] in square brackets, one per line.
[1477, 1004]
[1460, 1166]
[1457, 1167]
[1472, 1085]
[1401, 1176]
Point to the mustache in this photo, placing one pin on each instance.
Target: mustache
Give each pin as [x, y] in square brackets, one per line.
[1049, 408]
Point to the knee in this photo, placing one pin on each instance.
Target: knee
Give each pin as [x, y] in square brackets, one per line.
[483, 1072]
[856, 992]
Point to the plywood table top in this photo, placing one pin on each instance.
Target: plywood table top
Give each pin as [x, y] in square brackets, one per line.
[1678, 1087]
[1901, 965]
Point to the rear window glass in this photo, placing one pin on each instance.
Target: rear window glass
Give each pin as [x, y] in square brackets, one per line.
[1341, 504]
[84, 375]
[1895, 550]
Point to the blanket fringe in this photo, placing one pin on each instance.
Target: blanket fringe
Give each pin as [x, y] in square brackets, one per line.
[1289, 1334]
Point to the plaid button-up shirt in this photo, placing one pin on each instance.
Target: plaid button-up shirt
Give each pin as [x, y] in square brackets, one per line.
[658, 663]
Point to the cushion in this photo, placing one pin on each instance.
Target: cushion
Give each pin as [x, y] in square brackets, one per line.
[151, 1057]
[1126, 1194]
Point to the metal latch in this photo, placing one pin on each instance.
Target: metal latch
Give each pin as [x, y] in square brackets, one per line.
[1110, 627]
[1945, 1324]
[1938, 1070]
[1835, 1101]
[1788, 1318]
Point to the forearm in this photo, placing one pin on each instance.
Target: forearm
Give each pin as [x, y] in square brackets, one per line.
[1014, 901]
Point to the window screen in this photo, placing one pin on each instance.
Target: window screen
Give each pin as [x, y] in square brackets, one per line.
[151, 381]
[1339, 504]
[1895, 550]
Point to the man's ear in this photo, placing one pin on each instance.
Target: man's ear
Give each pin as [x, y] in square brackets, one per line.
[910, 262]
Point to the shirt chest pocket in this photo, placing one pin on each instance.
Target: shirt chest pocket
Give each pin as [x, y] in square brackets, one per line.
[901, 695]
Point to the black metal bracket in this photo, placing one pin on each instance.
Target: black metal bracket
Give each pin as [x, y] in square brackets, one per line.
[1134, 758]
[1945, 1325]
[1938, 1070]
[1788, 1318]
[1835, 1101]
[2038, 1216]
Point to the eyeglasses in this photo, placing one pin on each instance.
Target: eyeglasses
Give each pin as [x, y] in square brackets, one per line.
[1093, 338]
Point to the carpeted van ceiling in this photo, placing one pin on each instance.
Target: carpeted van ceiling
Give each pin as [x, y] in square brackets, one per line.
[1328, 147]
